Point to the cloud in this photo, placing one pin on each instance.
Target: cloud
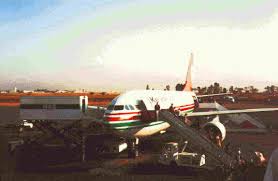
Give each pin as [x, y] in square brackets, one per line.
[96, 44]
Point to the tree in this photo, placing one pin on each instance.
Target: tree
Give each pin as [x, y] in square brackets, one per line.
[199, 89]
[246, 89]
[231, 89]
[179, 87]
[210, 89]
[204, 90]
[238, 90]
[216, 88]
[224, 90]
[167, 87]
[272, 89]
[147, 87]
[253, 90]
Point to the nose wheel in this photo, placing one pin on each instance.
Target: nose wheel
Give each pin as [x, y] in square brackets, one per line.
[132, 148]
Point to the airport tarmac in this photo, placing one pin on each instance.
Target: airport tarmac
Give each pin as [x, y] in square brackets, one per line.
[145, 167]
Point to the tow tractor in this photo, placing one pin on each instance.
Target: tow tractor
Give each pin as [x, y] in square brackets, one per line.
[171, 156]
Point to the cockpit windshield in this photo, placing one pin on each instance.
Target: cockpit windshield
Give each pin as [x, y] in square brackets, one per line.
[118, 107]
[115, 107]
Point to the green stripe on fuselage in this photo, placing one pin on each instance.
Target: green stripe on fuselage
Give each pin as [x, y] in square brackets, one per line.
[132, 126]
[114, 125]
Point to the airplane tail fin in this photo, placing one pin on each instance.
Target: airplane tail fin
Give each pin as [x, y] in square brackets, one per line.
[188, 82]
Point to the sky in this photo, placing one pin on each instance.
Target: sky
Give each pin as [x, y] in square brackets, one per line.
[105, 45]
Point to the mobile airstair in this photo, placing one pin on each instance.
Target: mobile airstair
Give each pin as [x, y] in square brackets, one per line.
[208, 148]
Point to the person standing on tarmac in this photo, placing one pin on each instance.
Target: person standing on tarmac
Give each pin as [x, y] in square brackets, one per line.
[157, 109]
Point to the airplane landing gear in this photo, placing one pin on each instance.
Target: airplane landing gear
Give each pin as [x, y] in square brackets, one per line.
[132, 148]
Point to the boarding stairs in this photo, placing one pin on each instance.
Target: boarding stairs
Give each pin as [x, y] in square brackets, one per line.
[197, 140]
[67, 133]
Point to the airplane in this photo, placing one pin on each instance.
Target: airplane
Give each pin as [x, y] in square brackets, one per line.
[132, 114]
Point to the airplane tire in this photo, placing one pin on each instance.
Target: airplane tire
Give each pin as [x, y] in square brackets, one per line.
[132, 151]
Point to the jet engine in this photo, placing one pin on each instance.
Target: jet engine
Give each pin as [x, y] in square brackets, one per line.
[215, 127]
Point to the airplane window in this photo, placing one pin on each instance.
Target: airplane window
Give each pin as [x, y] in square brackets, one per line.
[119, 107]
[126, 107]
[110, 107]
[131, 107]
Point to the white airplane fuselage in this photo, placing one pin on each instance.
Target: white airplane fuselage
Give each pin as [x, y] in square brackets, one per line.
[132, 114]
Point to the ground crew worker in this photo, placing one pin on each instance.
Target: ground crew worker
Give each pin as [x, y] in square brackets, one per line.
[157, 109]
[171, 109]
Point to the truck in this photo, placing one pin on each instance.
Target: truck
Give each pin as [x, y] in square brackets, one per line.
[171, 156]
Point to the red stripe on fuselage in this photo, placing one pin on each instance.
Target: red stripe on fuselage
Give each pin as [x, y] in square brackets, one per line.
[187, 108]
[122, 119]
[121, 113]
[108, 116]
[184, 106]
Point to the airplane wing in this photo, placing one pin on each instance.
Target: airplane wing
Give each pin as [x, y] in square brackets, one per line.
[97, 107]
[212, 95]
[211, 113]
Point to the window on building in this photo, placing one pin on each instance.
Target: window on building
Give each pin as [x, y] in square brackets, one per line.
[31, 106]
[67, 106]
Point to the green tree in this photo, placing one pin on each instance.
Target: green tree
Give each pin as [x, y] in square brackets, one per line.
[216, 88]
[210, 89]
[179, 87]
[231, 89]
[272, 89]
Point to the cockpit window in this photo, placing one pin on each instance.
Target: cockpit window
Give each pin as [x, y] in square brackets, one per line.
[126, 107]
[110, 107]
[138, 107]
[118, 107]
[131, 107]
